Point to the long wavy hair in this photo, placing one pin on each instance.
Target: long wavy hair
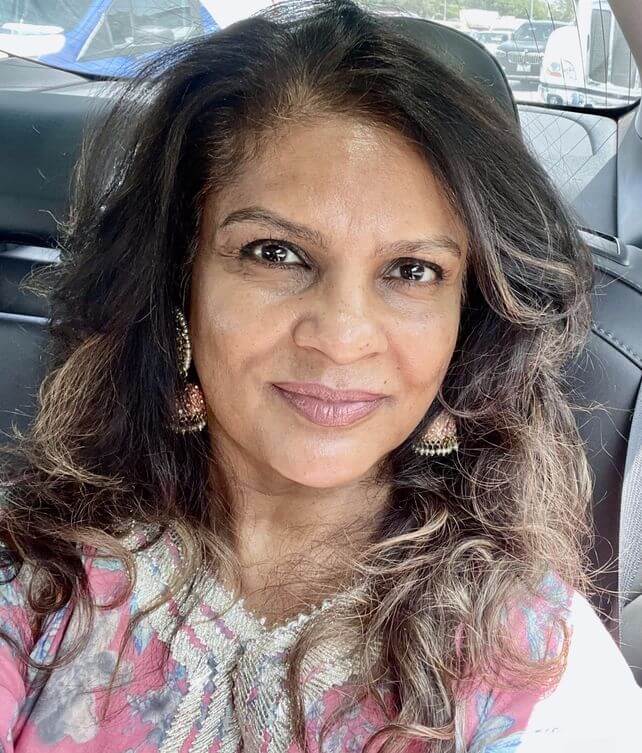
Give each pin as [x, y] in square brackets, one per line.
[461, 535]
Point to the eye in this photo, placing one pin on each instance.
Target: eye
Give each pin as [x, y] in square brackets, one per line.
[272, 252]
[414, 271]
[279, 254]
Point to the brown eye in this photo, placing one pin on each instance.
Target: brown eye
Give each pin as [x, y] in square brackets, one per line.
[271, 252]
[413, 271]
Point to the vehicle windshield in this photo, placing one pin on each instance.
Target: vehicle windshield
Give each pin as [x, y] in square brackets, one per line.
[64, 14]
[533, 32]
[591, 66]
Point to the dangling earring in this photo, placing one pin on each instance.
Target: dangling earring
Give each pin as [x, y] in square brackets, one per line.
[190, 413]
[440, 438]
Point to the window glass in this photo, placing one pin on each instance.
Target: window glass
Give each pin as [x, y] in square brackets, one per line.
[557, 52]
[60, 13]
[560, 52]
[599, 44]
[622, 68]
[134, 27]
[533, 32]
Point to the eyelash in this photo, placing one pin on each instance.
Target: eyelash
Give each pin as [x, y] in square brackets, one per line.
[245, 252]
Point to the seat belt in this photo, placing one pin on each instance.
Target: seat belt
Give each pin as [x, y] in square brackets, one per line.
[630, 555]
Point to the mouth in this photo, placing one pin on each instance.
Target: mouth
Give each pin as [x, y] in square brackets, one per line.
[332, 413]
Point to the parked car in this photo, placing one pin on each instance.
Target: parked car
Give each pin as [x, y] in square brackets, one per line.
[589, 64]
[105, 37]
[521, 56]
[492, 39]
[501, 31]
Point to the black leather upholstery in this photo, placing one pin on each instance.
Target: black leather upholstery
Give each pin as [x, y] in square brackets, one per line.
[43, 130]
[23, 318]
[608, 372]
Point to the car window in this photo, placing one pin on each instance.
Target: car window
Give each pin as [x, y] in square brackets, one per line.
[40, 13]
[533, 32]
[560, 52]
[136, 27]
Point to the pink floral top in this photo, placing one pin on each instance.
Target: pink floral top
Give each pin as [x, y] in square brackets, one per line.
[221, 690]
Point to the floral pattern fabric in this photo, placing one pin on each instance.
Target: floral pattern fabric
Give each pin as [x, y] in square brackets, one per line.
[217, 686]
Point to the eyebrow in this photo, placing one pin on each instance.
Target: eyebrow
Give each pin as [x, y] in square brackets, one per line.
[262, 216]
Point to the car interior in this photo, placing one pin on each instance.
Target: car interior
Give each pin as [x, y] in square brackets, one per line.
[595, 159]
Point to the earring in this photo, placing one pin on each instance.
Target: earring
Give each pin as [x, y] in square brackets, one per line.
[440, 437]
[190, 413]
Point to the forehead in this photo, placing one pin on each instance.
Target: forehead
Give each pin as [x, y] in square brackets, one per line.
[343, 176]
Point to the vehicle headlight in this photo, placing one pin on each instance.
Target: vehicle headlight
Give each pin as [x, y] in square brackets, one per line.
[500, 54]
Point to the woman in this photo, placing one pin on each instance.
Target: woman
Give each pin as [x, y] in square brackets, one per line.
[303, 476]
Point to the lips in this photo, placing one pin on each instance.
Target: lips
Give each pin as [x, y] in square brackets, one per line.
[329, 394]
[330, 412]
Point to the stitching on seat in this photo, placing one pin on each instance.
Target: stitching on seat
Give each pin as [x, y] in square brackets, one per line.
[617, 342]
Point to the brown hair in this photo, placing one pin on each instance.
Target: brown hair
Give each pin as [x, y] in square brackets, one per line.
[461, 536]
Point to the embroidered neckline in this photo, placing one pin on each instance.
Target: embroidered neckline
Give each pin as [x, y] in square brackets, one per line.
[247, 699]
[216, 596]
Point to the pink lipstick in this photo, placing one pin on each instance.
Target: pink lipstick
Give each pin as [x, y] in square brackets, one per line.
[326, 406]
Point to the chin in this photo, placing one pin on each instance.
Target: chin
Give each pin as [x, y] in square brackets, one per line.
[323, 475]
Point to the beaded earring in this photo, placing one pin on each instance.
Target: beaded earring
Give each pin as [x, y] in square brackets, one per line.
[440, 438]
[190, 413]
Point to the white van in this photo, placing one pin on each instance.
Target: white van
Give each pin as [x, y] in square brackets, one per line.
[561, 78]
[589, 64]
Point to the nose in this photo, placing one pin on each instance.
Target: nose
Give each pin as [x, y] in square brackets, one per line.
[343, 323]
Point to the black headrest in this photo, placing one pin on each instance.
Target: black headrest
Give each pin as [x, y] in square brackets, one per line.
[461, 53]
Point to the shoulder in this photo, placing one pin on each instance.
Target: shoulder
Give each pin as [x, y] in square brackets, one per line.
[15, 616]
[21, 632]
[539, 623]
[24, 639]
[594, 703]
[597, 703]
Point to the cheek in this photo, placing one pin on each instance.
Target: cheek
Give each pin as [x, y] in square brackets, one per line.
[230, 329]
[424, 350]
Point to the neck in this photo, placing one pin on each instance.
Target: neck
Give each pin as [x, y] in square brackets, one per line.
[296, 545]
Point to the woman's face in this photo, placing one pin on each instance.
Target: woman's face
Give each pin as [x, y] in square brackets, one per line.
[367, 298]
